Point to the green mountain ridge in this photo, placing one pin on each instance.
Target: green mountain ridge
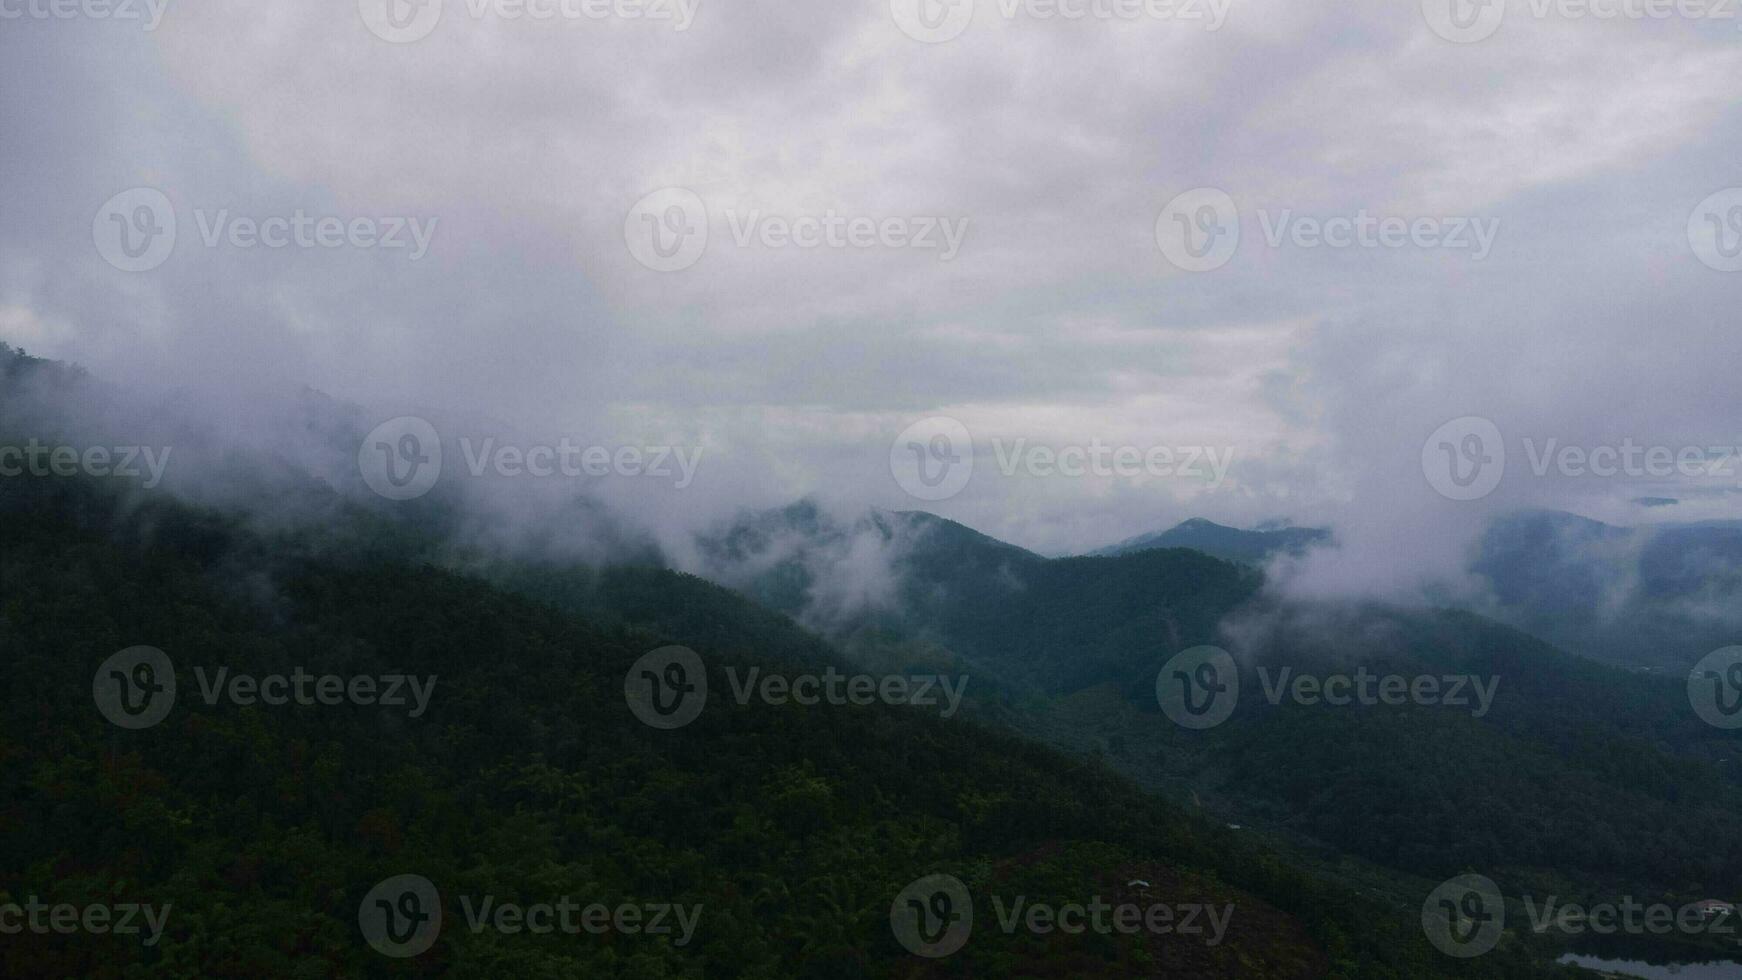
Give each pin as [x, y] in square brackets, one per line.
[1643, 790]
[1065, 651]
[263, 827]
[1233, 544]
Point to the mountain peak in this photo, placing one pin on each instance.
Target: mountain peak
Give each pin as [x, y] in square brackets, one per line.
[1221, 541]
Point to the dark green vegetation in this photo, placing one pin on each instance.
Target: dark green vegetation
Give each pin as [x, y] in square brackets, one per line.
[528, 779]
[1581, 779]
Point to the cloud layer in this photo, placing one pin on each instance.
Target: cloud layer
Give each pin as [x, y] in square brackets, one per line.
[524, 144]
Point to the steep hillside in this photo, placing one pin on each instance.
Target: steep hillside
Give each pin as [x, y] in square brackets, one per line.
[265, 827]
[1638, 786]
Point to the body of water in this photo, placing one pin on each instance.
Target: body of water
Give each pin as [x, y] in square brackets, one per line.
[1711, 970]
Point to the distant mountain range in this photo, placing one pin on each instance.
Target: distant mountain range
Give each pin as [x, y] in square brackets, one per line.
[1574, 775]
[1231, 543]
[1068, 650]
[1659, 595]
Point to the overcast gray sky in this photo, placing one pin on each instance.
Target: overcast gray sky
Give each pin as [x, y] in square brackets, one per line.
[1585, 148]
